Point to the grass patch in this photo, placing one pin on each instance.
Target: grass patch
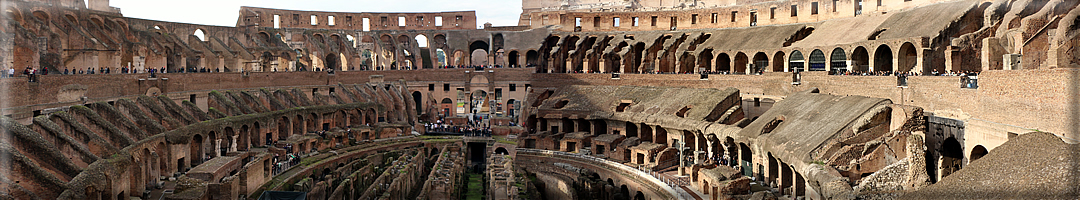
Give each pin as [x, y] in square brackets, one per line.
[475, 187]
[504, 140]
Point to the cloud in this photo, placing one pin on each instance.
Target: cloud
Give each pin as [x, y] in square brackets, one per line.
[225, 12]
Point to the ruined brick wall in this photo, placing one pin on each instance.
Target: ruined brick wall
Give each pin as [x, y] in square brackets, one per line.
[728, 13]
[59, 90]
[935, 94]
[254, 16]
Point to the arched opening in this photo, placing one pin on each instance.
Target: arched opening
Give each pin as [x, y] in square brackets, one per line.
[417, 102]
[774, 170]
[478, 102]
[511, 108]
[634, 64]
[371, 116]
[687, 63]
[747, 159]
[459, 58]
[421, 41]
[838, 63]
[425, 55]
[778, 62]
[705, 60]
[952, 157]
[512, 59]
[232, 143]
[252, 140]
[761, 62]
[723, 63]
[73, 20]
[196, 150]
[213, 146]
[531, 123]
[702, 145]
[860, 60]
[332, 62]
[265, 38]
[883, 59]
[312, 123]
[624, 191]
[201, 35]
[502, 151]
[741, 63]
[41, 16]
[786, 178]
[298, 126]
[266, 62]
[599, 127]
[631, 130]
[817, 60]
[661, 136]
[478, 57]
[978, 152]
[143, 171]
[646, 134]
[497, 41]
[367, 60]
[478, 52]
[319, 38]
[284, 128]
[532, 58]
[907, 58]
[445, 105]
[639, 196]
[440, 55]
[795, 63]
[341, 119]
[800, 184]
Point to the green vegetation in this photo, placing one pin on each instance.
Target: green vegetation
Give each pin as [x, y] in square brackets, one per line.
[475, 187]
[504, 140]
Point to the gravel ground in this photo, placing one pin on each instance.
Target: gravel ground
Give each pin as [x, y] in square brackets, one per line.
[1031, 166]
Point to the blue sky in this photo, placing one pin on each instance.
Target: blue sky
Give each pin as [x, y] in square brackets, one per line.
[225, 12]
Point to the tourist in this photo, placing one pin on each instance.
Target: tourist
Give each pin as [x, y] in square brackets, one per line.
[30, 74]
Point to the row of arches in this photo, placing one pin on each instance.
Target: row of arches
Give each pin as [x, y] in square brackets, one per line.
[217, 143]
[641, 58]
[610, 188]
[700, 146]
[783, 176]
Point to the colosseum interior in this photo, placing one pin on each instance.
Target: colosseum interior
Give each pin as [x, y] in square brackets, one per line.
[583, 99]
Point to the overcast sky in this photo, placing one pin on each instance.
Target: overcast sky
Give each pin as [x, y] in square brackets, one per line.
[225, 12]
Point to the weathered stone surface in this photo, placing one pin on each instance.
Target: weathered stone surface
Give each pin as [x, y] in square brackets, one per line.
[763, 195]
[738, 186]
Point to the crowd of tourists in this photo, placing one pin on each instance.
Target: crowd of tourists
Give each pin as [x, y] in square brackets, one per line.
[472, 130]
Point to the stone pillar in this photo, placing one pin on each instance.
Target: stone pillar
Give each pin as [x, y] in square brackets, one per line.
[870, 62]
[232, 145]
[216, 144]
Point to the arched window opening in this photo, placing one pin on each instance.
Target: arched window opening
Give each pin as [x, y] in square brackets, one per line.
[839, 61]
[561, 104]
[817, 60]
[200, 34]
[421, 41]
[795, 62]
[883, 59]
